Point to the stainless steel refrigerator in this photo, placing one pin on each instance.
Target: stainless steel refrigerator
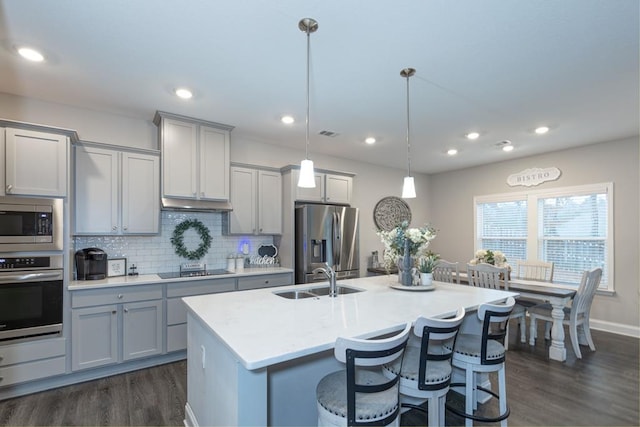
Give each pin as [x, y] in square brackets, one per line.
[326, 233]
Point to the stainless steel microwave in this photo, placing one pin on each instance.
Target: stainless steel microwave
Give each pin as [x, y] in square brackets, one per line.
[28, 224]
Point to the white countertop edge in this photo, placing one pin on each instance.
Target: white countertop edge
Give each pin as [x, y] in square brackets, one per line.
[146, 279]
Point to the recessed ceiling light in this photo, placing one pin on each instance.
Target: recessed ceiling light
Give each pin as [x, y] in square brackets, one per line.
[542, 130]
[287, 120]
[507, 148]
[473, 135]
[184, 93]
[452, 152]
[30, 54]
[370, 140]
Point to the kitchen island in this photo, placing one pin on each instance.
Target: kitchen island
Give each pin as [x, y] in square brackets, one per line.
[255, 358]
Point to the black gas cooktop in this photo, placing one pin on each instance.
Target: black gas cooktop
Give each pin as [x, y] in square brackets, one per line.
[176, 275]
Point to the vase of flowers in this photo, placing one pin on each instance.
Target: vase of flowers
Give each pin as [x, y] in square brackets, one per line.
[426, 266]
[403, 245]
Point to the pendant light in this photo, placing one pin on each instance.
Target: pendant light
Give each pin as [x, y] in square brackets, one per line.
[408, 187]
[306, 178]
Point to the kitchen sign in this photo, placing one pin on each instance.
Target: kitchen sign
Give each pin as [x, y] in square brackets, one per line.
[533, 176]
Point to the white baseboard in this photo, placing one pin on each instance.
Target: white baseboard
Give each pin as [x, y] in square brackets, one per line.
[615, 328]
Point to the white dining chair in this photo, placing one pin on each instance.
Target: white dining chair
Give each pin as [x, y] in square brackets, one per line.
[361, 395]
[489, 276]
[446, 271]
[533, 270]
[575, 316]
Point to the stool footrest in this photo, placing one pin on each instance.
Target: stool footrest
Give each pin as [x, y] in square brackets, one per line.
[478, 417]
[412, 406]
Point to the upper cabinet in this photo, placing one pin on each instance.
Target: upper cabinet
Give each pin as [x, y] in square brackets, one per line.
[330, 188]
[256, 196]
[195, 158]
[116, 191]
[35, 163]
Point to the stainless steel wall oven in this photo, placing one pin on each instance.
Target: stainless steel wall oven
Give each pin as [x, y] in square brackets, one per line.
[31, 296]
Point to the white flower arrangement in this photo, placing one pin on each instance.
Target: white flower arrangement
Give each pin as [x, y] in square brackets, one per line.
[394, 241]
[488, 256]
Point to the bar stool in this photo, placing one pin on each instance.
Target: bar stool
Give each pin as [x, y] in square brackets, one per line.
[482, 354]
[361, 395]
[425, 371]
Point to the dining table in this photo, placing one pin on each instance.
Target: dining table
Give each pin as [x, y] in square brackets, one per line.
[556, 294]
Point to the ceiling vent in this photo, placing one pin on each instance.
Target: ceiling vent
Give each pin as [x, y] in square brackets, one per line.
[328, 133]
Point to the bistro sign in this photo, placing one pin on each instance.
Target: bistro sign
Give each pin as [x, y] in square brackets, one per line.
[533, 176]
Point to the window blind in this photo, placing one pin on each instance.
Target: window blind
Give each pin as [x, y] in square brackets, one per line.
[503, 226]
[573, 234]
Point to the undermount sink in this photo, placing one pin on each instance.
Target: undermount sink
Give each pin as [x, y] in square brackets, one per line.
[342, 290]
[315, 292]
[295, 294]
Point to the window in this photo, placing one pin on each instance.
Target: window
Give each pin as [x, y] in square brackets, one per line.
[571, 226]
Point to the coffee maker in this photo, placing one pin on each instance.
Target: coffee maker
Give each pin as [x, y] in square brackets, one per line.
[91, 264]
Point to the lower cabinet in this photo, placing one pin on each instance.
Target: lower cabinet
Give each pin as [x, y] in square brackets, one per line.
[27, 361]
[177, 311]
[114, 325]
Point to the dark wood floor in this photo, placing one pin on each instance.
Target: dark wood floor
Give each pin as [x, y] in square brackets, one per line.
[599, 390]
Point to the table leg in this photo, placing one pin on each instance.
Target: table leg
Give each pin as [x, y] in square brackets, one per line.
[557, 350]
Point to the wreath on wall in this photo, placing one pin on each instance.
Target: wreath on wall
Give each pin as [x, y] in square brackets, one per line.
[177, 240]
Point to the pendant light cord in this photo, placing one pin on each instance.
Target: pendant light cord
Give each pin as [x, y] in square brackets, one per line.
[307, 121]
[408, 142]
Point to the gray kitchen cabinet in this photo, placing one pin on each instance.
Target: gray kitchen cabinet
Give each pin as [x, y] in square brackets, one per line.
[264, 281]
[116, 192]
[256, 196]
[177, 311]
[195, 158]
[32, 360]
[330, 188]
[34, 163]
[113, 325]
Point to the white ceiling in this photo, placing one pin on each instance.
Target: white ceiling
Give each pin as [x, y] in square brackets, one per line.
[500, 67]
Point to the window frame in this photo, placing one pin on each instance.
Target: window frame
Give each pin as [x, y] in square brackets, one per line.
[533, 235]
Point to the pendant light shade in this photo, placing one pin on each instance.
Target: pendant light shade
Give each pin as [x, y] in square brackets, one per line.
[306, 178]
[408, 187]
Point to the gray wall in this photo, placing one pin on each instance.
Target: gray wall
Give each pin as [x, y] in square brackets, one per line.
[451, 210]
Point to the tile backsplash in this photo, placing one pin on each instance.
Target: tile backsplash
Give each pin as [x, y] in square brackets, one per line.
[155, 254]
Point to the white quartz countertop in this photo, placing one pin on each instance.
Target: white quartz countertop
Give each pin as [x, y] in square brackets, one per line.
[263, 329]
[145, 279]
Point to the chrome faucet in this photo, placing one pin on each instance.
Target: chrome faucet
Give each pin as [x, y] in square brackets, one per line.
[331, 275]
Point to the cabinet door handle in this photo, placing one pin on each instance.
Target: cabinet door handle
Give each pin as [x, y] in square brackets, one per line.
[126, 310]
[120, 296]
[266, 282]
[114, 228]
[113, 312]
[9, 188]
[125, 228]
